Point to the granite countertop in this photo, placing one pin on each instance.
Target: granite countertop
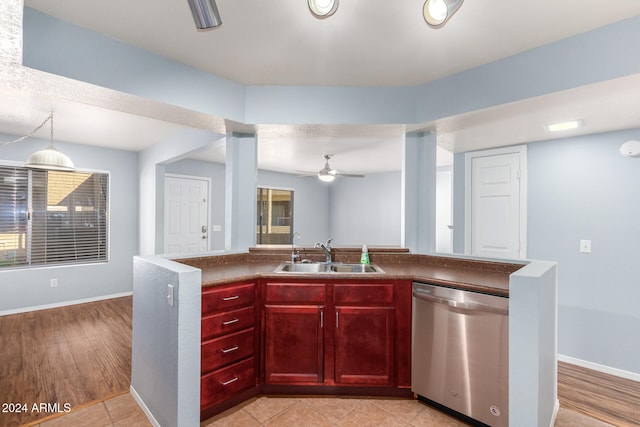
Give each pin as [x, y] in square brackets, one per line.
[398, 264]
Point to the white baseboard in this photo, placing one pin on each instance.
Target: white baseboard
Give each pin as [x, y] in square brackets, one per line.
[601, 368]
[556, 409]
[144, 408]
[64, 303]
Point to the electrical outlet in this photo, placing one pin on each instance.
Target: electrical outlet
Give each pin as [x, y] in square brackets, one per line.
[53, 283]
[585, 246]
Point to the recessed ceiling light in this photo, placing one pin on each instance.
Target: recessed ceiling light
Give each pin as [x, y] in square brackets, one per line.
[560, 126]
[323, 8]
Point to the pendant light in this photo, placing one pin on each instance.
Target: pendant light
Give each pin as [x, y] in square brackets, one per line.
[49, 158]
[438, 12]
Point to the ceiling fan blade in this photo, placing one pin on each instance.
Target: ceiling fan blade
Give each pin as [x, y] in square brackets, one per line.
[338, 172]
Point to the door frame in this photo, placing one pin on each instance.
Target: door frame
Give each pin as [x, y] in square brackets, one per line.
[164, 207]
[468, 157]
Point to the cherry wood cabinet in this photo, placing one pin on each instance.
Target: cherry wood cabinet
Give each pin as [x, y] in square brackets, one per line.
[304, 335]
[294, 344]
[228, 344]
[342, 333]
[364, 334]
[364, 345]
[294, 333]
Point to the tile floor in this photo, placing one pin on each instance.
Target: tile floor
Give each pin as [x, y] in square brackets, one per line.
[294, 411]
[119, 411]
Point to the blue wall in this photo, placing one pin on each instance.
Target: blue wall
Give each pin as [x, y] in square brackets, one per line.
[582, 188]
[30, 287]
[310, 204]
[367, 211]
[60, 48]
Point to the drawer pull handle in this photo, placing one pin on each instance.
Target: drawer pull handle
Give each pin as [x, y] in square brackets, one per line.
[229, 350]
[231, 298]
[232, 380]
[230, 322]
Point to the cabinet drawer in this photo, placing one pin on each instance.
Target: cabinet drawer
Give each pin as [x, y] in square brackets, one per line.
[371, 293]
[295, 292]
[223, 383]
[216, 299]
[224, 323]
[225, 350]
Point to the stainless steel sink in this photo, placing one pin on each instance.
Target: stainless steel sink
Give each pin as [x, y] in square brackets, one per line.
[323, 267]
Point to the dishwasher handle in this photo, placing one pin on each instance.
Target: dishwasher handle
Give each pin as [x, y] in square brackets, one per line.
[459, 304]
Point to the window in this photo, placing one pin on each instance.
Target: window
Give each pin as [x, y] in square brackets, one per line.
[275, 216]
[52, 217]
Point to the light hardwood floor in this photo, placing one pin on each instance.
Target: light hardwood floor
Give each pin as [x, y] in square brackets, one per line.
[71, 355]
[81, 355]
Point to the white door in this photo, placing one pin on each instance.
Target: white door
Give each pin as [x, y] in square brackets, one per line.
[497, 221]
[186, 213]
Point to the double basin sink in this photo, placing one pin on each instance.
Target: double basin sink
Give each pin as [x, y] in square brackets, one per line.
[326, 267]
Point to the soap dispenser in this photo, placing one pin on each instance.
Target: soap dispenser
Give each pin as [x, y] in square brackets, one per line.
[364, 257]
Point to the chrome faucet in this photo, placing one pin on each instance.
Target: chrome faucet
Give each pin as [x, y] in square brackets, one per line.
[326, 247]
[294, 236]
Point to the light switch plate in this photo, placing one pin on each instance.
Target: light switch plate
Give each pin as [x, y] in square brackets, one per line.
[585, 246]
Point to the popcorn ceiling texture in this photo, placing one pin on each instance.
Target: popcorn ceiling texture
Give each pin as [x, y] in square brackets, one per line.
[11, 32]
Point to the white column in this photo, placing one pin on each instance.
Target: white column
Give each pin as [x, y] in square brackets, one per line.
[11, 12]
[241, 180]
[419, 192]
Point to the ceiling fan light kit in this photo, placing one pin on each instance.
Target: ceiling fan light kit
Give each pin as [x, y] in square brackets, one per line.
[327, 173]
[326, 176]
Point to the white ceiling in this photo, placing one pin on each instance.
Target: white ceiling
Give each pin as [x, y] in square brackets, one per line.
[367, 42]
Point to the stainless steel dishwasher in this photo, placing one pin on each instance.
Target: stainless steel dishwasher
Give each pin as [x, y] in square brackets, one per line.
[460, 352]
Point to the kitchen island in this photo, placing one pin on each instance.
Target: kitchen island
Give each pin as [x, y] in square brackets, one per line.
[168, 310]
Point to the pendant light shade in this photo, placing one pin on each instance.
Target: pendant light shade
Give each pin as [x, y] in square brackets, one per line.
[50, 159]
[323, 8]
[205, 14]
[438, 12]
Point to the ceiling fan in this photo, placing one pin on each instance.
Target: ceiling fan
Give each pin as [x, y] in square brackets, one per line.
[328, 174]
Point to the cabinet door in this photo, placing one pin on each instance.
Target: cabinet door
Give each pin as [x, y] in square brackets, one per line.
[364, 343]
[294, 343]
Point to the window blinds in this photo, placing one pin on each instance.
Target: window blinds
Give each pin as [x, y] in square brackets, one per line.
[52, 217]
